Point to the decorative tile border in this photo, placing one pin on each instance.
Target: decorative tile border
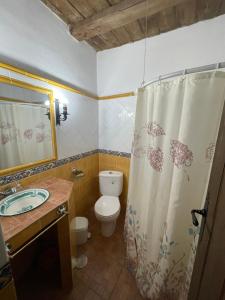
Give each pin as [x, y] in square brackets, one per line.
[117, 153]
[29, 172]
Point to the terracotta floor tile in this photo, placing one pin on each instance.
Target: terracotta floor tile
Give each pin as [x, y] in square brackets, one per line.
[79, 291]
[106, 261]
[102, 288]
[91, 296]
[125, 288]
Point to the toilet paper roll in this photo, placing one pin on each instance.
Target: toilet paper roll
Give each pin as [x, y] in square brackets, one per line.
[3, 256]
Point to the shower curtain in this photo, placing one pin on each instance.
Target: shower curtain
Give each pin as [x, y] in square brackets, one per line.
[25, 134]
[176, 129]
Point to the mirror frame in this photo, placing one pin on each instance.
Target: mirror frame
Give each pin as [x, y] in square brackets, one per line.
[49, 93]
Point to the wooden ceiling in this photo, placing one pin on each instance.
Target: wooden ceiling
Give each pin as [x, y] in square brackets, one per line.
[107, 24]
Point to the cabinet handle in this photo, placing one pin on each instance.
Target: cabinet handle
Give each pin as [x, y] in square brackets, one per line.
[62, 210]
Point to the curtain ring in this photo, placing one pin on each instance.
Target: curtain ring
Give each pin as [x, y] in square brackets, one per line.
[142, 84]
[159, 80]
[10, 78]
[184, 73]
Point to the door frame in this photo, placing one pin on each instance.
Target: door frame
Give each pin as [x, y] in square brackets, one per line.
[216, 187]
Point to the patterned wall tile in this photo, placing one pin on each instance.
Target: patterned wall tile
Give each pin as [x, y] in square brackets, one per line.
[116, 124]
[39, 169]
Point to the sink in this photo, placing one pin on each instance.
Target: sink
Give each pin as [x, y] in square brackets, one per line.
[23, 201]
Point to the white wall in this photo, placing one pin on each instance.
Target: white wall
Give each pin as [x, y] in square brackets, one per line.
[120, 70]
[32, 35]
[34, 38]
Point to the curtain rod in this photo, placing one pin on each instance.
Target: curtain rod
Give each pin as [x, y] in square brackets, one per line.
[211, 67]
[22, 102]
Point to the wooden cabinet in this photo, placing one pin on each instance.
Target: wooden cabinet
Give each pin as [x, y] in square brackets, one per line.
[21, 231]
[61, 224]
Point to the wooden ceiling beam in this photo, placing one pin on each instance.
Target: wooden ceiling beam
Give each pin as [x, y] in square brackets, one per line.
[64, 10]
[119, 15]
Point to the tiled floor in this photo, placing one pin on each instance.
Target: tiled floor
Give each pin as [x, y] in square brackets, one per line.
[104, 278]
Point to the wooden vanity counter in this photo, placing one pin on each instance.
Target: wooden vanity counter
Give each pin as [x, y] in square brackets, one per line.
[19, 230]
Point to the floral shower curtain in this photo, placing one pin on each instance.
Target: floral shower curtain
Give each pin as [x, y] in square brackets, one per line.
[176, 129]
[25, 134]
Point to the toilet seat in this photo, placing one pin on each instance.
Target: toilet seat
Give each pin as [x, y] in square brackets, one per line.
[107, 207]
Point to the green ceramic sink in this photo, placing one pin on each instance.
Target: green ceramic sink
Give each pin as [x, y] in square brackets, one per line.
[23, 201]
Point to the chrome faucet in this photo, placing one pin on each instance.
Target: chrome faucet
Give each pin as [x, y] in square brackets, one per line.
[10, 191]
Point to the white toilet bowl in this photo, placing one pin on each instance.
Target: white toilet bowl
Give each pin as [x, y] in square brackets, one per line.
[107, 207]
[107, 210]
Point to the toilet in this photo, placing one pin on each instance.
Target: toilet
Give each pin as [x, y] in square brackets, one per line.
[107, 207]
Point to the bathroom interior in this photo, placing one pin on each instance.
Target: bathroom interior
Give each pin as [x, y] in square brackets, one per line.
[112, 149]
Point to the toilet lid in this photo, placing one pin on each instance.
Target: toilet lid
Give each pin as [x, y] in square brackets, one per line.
[107, 206]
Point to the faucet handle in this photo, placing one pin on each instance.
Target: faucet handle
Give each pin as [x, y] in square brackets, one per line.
[13, 189]
[18, 184]
[16, 187]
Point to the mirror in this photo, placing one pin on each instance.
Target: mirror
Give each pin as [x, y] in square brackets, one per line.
[27, 127]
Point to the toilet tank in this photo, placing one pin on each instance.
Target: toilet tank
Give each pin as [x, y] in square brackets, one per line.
[111, 183]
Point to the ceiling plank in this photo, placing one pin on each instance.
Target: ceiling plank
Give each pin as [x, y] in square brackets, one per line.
[152, 25]
[109, 38]
[95, 43]
[64, 8]
[222, 7]
[186, 14]
[119, 15]
[100, 42]
[167, 20]
[122, 35]
[55, 10]
[208, 9]
[128, 33]
[135, 31]
[83, 7]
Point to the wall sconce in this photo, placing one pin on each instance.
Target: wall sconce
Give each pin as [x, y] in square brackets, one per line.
[47, 104]
[60, 116]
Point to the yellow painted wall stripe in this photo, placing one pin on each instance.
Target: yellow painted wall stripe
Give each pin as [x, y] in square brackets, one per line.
[52, 82]
[116, 96]
[64, 86]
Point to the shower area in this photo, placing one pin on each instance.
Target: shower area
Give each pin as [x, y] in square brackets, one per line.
[176, 128]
